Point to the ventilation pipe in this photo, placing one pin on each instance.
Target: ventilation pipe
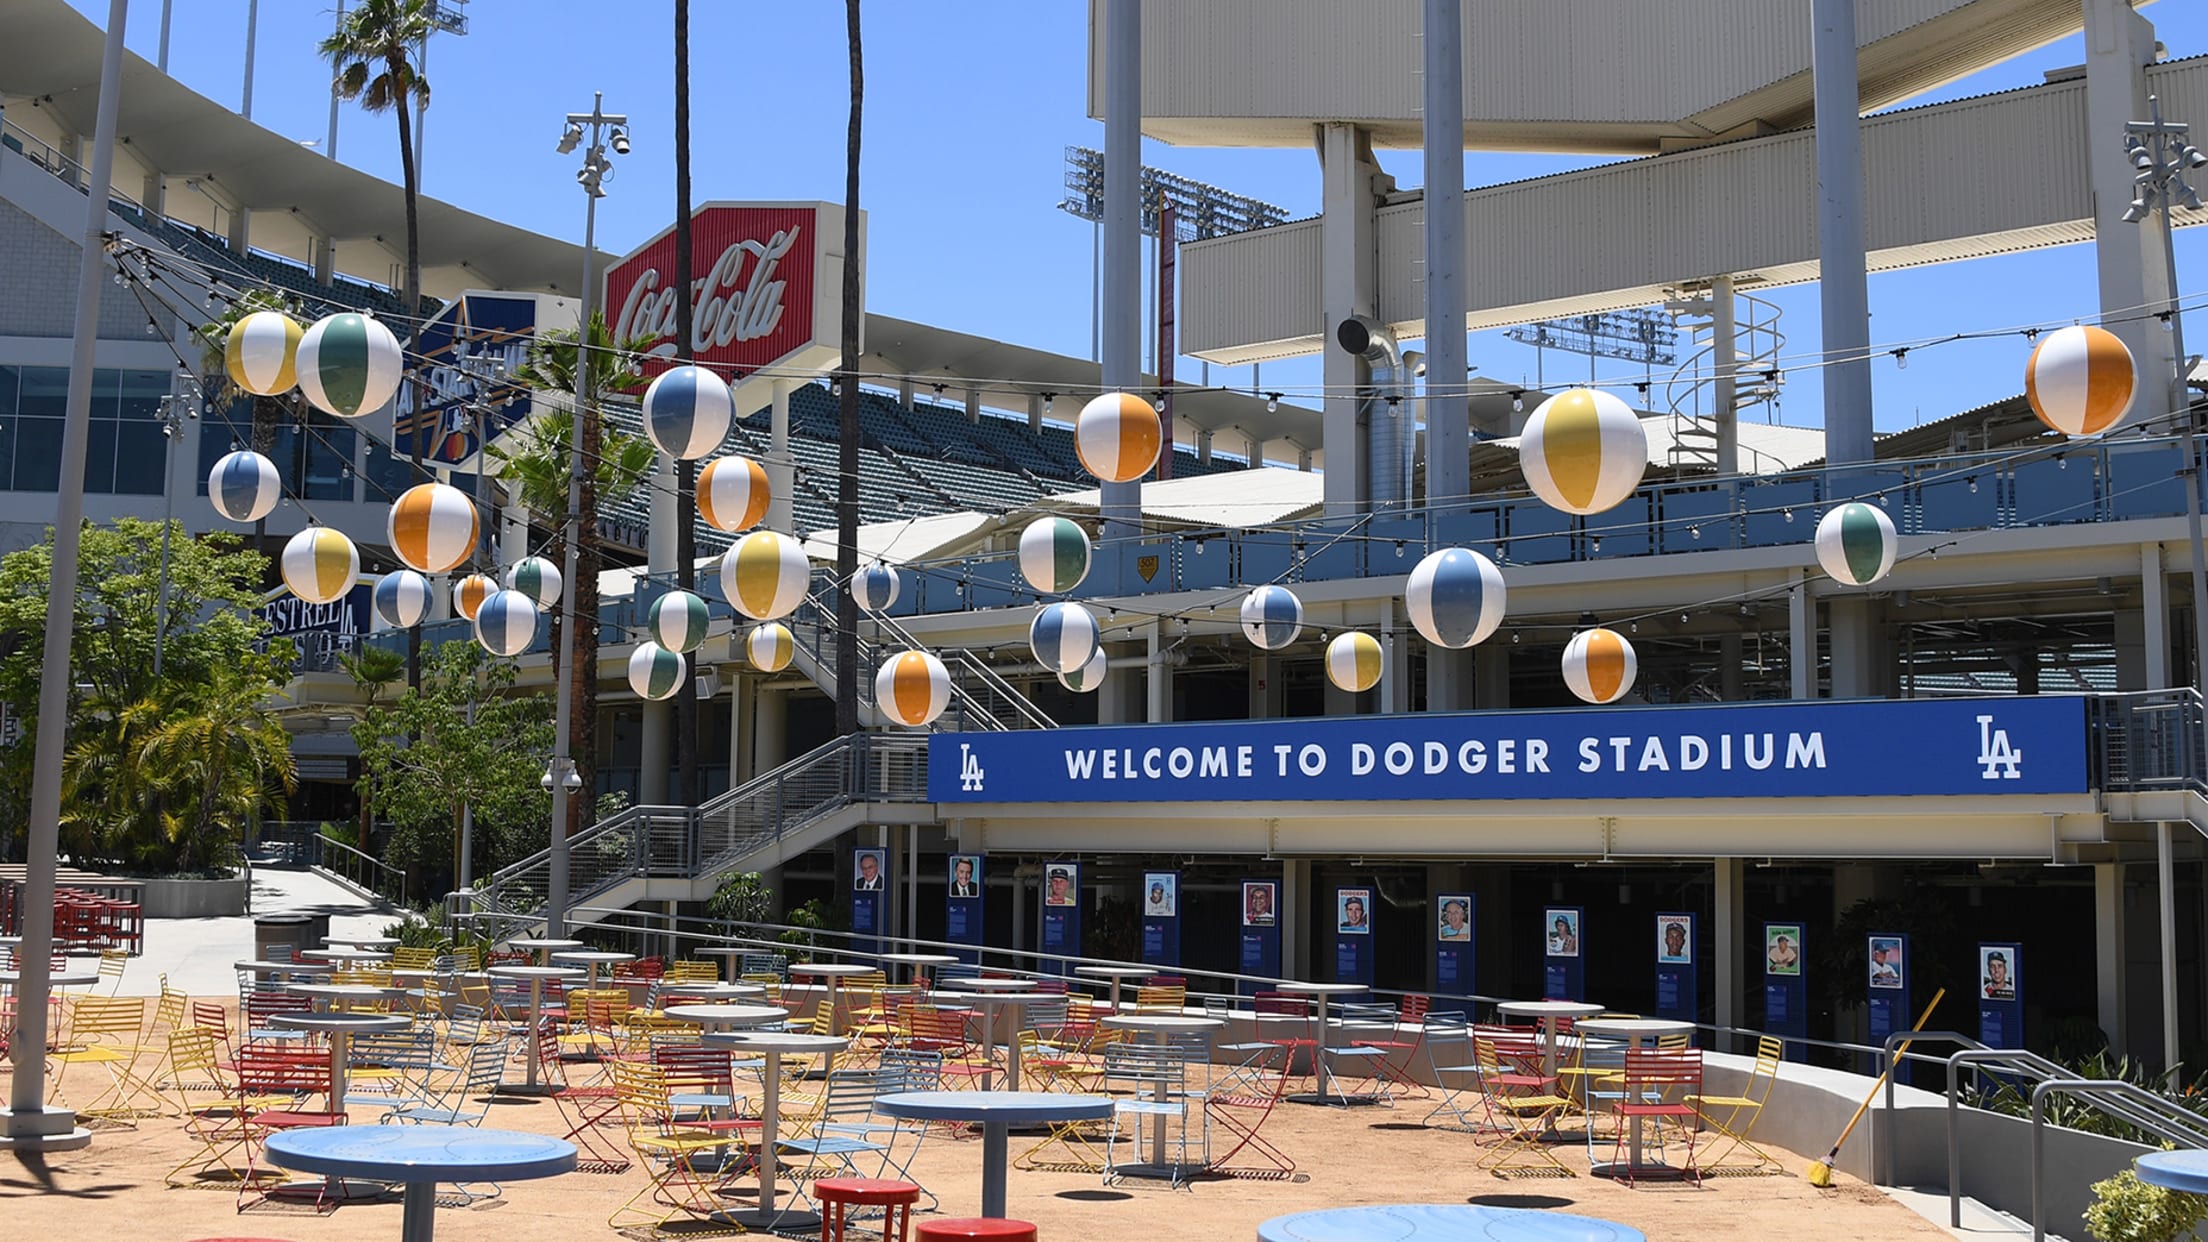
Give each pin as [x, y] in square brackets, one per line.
[1386, 410]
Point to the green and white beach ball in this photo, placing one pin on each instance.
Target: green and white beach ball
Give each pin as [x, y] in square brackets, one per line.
[349, 365]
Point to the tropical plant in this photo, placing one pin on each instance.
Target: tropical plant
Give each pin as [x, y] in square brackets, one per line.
[741, 897]
[847, 386]
[373, 53]
[216, 756]
[2125, 1209]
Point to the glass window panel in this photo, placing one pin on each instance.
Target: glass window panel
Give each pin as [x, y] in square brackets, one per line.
[99, 457]
[45, 392]
[106, 385]
[387, 475]
[141, 454]
[141, 395]
[7, 398]
[37, 454]
[7, 451]
[329, 450]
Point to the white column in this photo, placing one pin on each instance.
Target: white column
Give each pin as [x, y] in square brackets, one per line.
[1161, 675]
[2108, 954]
[2119, 44]
[2154, 605]
[1448, 412]
[1348, 287]
[1726, 945]
[1843, 290]
[781, 471]
[1726, 357]
[1801, 634]
[2166, 888]
[1122, 241]
[1295, 919]
[659, 547]
[655, 745]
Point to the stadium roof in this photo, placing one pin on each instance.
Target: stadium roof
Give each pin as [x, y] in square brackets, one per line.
[1257, 497]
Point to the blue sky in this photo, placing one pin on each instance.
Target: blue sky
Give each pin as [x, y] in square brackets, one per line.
[969, 107]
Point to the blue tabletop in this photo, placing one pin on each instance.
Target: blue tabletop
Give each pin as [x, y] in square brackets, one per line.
[1437, 1222]
[1007, 1106]
[2174, 1170]
[421, 1153]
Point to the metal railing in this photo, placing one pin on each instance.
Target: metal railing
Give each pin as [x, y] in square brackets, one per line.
[2146, 741]
[362, 870]
[2132, 1104]
[981, 699]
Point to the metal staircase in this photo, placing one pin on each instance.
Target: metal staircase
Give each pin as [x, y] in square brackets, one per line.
[981, 699]
[1691, 391]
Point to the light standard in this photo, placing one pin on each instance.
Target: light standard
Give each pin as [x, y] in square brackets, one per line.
[175, 408]
[2162, 154]
[599, 128]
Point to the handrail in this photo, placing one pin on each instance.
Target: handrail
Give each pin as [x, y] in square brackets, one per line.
[2017, 1059]
[2177, 1125]
[1887, 1063]
[385, 880]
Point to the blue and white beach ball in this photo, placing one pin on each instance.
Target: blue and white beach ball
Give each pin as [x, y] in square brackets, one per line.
[506, 623]
[1455, 597]
[1064, 636]
[678, 620]
[402, 598]
[244, 486]
[875, 587]
[1272, 616]
[687, 411]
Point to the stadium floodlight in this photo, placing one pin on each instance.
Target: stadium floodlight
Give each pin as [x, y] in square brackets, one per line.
[1199, 210]
[620, 142]
[569, 139]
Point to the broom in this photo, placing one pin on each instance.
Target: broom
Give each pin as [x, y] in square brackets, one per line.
[1820, 1172]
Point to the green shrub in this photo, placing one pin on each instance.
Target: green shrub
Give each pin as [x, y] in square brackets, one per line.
[2126, 1209]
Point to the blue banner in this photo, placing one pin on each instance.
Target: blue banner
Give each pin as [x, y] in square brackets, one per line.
[1887, 989]
[1353, 935]
[1565, 973]
[2033, 744]
[1455, 942]
[963, 909]
[1676, 991]
[1161, 918]
[2000, 996]
[1062, 913]
[1260, 932]
[477, 336]
[869, 892]
[1785, 995]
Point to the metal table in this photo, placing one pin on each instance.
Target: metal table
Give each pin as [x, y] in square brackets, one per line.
[372, 943]
[1442, 1222]
[277, 968]
[1116, 974]
[592, 959]
[343, 996]
[346, 955]
[543, 947]
[712, 991]
[419, 1158]
[1160, 1025]
[990, 1003]
[912, 962]
[998, 1112]
[1548, 1011]
[993, 984]
[536, 975]
[832, 972]
[713, 1017]
[1637, 1033]
[1321, 1073]
[340, 1027]
[2174, 1170]
[772, 1044]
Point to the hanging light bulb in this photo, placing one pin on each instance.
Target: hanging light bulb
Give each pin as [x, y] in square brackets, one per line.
[1272, 403]
[1049, 399]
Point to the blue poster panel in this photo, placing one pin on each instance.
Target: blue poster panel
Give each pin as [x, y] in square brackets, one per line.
[869, 889]
[1161, 918]
[1676, 992]
[1565, 976]
[2000, 996]
[963, 921]
[1453, 943]
[1887, 989]
[1785, 995]
[1062, 913]
[1353, 935]
[1260, 933]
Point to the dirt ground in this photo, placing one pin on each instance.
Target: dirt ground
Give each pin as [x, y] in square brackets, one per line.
[1343, 1157]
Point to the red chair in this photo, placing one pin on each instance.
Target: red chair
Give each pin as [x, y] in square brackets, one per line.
[1660, 1085]
[838, 1195]
[1394, 1070]
[273, 1071]
[585, 1110]
[1277, 1010]
[950, 1229]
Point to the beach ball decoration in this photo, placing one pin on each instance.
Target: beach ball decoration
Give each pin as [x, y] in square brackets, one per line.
[244, 486]
[733, 493]
[1064, 636]
[1583, 451]
[432, 527]
[912, 688]
[769, 647]
[875, 587]
[319, 565]
[687, 411]
[1117, 436]
[349, 365]
[402, 598]
[655, 672]
[261, 353]
[1455, 597]
[678, 620]
[1088, 677]
[1353, 661]
[1856, 543]
[1272, 616]
[766, 575]
[2081, 380]
[538, 578]
[506, 623]
[469, 593]
[1599, 665]
[1054, 555]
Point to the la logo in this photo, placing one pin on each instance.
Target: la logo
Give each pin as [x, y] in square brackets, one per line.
[1997, 759]
[969, 769]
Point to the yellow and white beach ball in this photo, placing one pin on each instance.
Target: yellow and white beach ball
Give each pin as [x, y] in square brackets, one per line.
[1054, 555]
[1064, 636]
[765, 575]
[912, 688]
[261, 354]
[1088, 677]
[506, 623]
[469, 593]
[402, 598]
[1117, 436]
[655, 672]
[1856, 543]
[432, 527]
[537, 578]
[1599, 665]
[244, 486]
[1455, 597]
[733, 493]
[319, 565]
[875, 587]
[678, 621]
[1353, 661]
[2081, 380]
[349, 365]
[1272, 616]
[769, 647]
[1583, 451]
[687, 411]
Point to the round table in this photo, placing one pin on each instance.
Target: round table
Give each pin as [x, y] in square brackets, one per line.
[536, 975]
[346, 955]
[2174, 1170]
[544, 947]
[420, 1157]
[1442, 1222]
[378, 943]
[733, 952]
[713, 991]
[345, 995]
[1117, 974]
[1160, 1025]
[998, 1112]
[715, 1016]
[1637, 1033]
[772, 1044]
[832, 972]
[1548, 1011]
[991, 983]
[912, 962]
[990, 1004]
[340, 1027]
[275, 968]
[592, 959]
[58, 979]
[1321, 1073]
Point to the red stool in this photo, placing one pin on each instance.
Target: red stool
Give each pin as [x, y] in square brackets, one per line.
[947, 1229]
[838, 1195]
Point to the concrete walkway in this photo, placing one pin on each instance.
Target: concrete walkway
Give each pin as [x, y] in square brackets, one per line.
[198, 955]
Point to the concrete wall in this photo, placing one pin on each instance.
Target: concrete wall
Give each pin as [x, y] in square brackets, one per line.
[195, 899]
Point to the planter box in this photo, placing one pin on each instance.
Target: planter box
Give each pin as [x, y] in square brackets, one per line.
[195, 899]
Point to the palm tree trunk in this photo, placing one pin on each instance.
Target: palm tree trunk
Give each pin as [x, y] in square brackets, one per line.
[686, 543]
[847, 429]
[402, 72]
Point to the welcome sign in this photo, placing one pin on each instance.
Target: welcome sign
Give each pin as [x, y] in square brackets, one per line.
[1880, 748]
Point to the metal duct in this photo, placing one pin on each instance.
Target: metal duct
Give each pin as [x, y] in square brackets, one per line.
[1385, 410]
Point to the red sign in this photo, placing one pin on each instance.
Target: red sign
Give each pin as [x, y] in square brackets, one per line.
[752, 288]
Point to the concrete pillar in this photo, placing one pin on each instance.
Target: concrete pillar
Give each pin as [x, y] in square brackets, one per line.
[1022, 934]
[770, 730]
[1730, 654]
[973, 405]
[241, 229]
[2109, 958]
[904, 392]
[1725, 353]
[153, 194]
[781, 467]
[1844, 302]
[2119, 44]
[1491, 676]
[325, 259]
[656, 745]
[1303, 460]
[1035, 411]
[659, 542]
[513, 534]
[1858, 671]
[1339, 702]
[1111, 695]
[2154, 614]
[1726, 945]
[1121, 311]
[1296, 915]
[1160, 680]
[1395, 660]
[1801, 638]
[1268, 698]
[743, 700]
[1448, 411]
[1348, 286]
[1449, 679]
[1203, 448]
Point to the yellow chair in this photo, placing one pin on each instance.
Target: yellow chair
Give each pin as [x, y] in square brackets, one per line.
[1734, 1117]
[1167, 998]
[216, 1123]
[109, 1032]
[112, 962]
[688, 971]
[413, 957]
[679, 1185]
[1523, 1104]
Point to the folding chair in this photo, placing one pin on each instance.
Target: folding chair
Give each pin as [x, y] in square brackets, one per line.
[591, 1112]
[1365, 1055]
[1155, 1078]
[678, 1184]
[486, 1062]
[216, 1122]
[1660, 1084]
[944, 1032]
[1456, 1074]
[1285, 1020]
[1734, 1117]
[1523, 1105]
[1161, 998]
[109, 1032]
[394, 1069]
[1394, 1067]
[112, 962]
[1241, 1101]
[847, 1131]
[284, 1077]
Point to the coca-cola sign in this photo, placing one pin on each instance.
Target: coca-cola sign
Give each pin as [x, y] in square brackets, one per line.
[754, 296]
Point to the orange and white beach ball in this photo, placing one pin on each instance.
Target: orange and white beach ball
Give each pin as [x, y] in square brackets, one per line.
[469, 593]
[913, 688]
[1118, 436]
[433, 527]
[733, 493]
[1583, 451]
[765, 575]
[1599, 665]
[319, 565]
[2081, 380]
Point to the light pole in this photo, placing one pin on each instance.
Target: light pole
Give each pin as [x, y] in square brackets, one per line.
[175, 408]
[2162, 153]
[561, 777]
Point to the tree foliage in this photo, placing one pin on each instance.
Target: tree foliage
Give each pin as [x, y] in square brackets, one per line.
[373, 54]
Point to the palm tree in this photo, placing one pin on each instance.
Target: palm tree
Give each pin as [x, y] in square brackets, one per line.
[686, 535]
[225, 756]
[847, 457]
